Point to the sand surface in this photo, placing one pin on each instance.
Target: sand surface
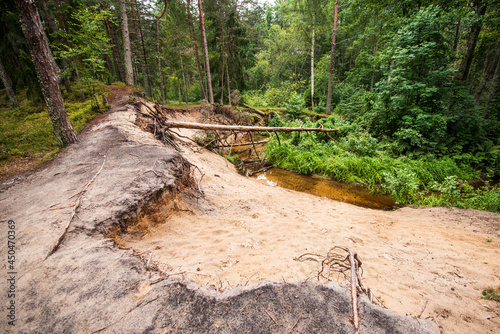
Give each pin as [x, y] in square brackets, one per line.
[433, 261]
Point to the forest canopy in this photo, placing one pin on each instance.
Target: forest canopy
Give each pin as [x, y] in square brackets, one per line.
[413, 79]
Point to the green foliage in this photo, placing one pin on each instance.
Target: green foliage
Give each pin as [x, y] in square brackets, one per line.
[294, 106]
[89, 43]
[402, 184]
[28, 131]
[119, 84]
[491, 294]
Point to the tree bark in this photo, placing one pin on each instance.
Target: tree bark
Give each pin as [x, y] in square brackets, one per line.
[463, 73]
[189, 125]
[223, 56]
[312, 53]
[160, 75]
[207, 63]
[195, 48]
[51, 24]
[8, 86]
[332, 57]
[495, 88]
[46, 70]
[144, 54]
[142, 59]
[184, 81]
[117, 59]
[129, 71]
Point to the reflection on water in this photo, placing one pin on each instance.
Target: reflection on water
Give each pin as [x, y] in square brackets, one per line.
[320, 186]
[312, 184]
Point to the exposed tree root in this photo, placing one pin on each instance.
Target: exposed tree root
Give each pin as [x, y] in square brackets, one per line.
[335, 262]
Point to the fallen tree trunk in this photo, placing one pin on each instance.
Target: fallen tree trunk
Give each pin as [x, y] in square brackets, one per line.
[258, 111]
[201, 126]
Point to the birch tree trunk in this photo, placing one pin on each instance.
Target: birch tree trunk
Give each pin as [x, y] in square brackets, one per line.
[332, 57]
[46, 70]
[129, 71]
[8, 86]
[207, 63]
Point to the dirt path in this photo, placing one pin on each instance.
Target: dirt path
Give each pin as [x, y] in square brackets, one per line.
[242, 231]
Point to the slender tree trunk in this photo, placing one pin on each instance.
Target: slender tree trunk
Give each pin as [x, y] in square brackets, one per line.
[332, 57]
[207, 63]
[228, 87]
[312, 53]
[184, 82]
[51, 24]
[195, 48]
[495, 88]
[223, 56]
[463, 73]
[129, 70]
[489, 73]
[160, 75]
[8, 86]
[144, 54]
[117, 59]
[179, 87]
[457, 37]
[46, 70]
[142, 60]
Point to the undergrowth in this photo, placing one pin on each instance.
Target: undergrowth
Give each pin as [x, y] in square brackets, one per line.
[353, 155]
[27, 131]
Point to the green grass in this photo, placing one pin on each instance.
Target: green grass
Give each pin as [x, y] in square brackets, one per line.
[354, 156]
[28, 132]
[171, 103]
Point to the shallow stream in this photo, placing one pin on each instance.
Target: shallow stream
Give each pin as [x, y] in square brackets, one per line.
[253, 166]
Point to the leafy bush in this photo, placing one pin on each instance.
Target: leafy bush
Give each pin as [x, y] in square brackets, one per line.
[294, 106]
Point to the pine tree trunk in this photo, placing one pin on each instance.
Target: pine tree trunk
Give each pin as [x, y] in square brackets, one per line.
[8, 86]
[129, 70]
[143, 59]
[312, 53]
[47, 71]
[494, 90]
[223, 56]
[332, 57]
[117, 59]
[184, 81]
[207, 63]
[160, 75]
[228, 87]
[463, 73]
[195, 49]
[144, 55]
[51, 24]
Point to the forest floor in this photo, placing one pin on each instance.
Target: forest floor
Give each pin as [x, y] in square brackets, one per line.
[433, 263]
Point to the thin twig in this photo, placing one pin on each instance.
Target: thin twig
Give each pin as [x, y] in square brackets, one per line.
[423, 309]
[270, 316]
[296, 322]
[354, 293]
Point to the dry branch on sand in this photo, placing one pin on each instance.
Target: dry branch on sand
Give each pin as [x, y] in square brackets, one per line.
[335, 262]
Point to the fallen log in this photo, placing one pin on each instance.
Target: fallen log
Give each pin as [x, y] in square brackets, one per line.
[258, 111]
[202, 126]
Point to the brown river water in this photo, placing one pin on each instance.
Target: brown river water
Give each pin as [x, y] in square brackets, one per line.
[317, 185]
